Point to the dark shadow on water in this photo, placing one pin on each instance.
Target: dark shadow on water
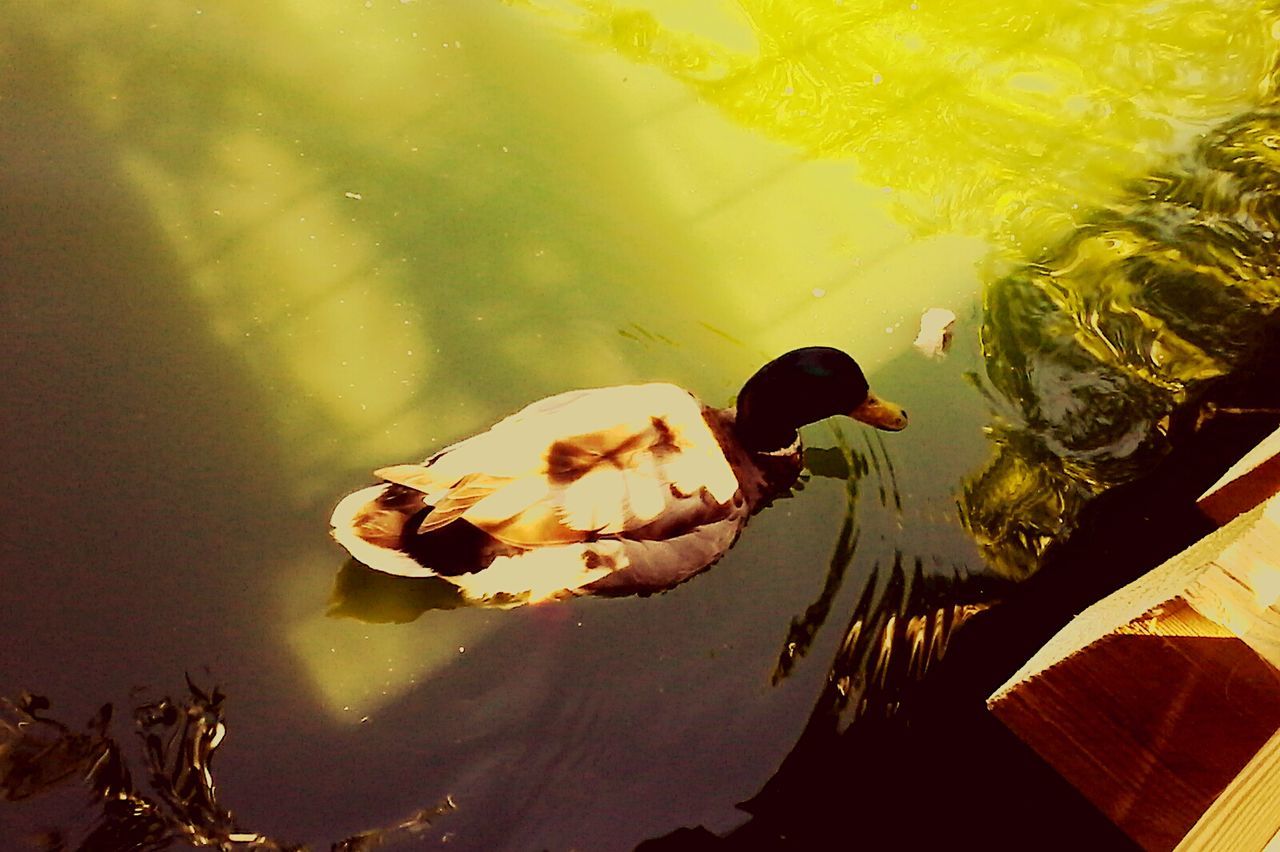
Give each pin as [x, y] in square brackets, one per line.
[848, 465]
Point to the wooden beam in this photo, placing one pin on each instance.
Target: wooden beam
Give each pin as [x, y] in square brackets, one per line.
[1247, 484]
[1161, 703]
[1248, 811]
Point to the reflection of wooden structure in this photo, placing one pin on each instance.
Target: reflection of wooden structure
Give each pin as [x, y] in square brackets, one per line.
[1161, 703]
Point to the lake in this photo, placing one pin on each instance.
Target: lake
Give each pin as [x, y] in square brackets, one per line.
[251, 251]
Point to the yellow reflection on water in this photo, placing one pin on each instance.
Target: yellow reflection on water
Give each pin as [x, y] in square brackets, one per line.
[307, 283]
[357, 668]
[994, 118]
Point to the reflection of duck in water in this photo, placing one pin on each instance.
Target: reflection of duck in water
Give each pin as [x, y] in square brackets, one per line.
[607, 491]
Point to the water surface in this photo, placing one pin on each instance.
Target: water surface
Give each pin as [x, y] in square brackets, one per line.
[252, 251]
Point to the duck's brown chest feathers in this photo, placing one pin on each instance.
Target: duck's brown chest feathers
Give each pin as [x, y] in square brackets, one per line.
[762, 477]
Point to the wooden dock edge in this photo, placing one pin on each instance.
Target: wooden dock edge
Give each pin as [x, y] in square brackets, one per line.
[1161, 703]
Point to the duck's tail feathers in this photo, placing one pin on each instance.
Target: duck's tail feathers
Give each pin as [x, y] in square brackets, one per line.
[370, 530]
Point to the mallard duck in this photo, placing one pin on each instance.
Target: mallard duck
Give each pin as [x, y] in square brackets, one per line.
[608, 491]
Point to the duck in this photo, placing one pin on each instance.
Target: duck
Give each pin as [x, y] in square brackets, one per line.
[629, 489]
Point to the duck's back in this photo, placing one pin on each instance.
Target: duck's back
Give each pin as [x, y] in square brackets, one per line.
[557, 438]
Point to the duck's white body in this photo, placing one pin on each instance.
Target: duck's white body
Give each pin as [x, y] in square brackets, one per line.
[620, 489]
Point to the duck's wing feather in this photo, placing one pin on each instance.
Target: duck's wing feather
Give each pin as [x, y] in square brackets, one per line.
[449, 501]
[577, 466]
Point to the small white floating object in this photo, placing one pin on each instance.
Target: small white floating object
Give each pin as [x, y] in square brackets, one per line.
[934, 338]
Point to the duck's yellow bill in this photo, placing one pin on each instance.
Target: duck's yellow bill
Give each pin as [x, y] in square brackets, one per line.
[881, 414]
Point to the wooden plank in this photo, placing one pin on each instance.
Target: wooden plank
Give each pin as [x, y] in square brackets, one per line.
[1247, 484]
[1247, 813]
[1151, 724]
[1161, 703]
[1128, 604]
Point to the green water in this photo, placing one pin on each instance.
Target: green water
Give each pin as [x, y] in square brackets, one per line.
[251, 251]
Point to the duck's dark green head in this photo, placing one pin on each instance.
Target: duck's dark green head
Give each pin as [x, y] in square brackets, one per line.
[805, 386]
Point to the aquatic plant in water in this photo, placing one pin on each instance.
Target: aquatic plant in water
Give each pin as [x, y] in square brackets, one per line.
[179, 803]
